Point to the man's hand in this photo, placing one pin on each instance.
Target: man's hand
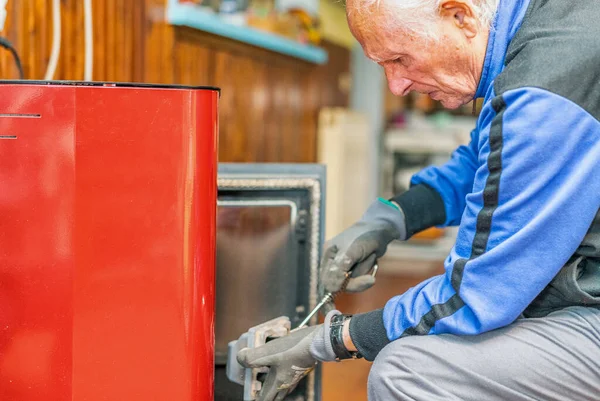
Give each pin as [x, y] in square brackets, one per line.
[290, 359]
[357, 248]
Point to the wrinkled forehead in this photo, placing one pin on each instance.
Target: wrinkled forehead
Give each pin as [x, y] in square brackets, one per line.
[367, 27]
[379, 48]
[380, 40]
[364, 14]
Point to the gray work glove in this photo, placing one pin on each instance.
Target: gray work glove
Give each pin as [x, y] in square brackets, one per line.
[358, 248]
[290, 358]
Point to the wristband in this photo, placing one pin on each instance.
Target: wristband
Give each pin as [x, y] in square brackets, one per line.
[336, 334]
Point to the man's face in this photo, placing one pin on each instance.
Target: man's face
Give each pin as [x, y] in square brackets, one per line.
[447, 69]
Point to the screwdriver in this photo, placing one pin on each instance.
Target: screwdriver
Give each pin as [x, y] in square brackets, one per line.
[331, 296]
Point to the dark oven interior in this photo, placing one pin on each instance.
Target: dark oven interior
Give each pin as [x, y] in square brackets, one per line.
[266, 244]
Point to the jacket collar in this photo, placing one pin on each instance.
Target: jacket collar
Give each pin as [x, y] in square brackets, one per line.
[506, 23]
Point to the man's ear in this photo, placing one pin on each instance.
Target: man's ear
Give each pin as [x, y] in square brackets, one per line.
[462, 15]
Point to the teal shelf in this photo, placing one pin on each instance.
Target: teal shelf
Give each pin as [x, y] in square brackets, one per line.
[191, 16]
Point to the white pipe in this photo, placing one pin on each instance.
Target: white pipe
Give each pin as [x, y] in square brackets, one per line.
[2, 14]
[89, 41]
[52, 64]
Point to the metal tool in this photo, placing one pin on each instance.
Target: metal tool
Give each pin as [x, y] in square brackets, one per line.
[331, 296]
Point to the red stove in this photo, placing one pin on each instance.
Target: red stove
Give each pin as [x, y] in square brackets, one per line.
[107, 241]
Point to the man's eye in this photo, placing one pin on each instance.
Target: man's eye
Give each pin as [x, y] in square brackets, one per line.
[400, 60]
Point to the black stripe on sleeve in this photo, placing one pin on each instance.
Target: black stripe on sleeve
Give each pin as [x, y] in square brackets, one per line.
[484, 226]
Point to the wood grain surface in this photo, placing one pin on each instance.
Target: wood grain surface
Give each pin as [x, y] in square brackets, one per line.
[269, 104]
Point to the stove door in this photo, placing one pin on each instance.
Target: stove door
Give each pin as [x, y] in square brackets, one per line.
[270, 220]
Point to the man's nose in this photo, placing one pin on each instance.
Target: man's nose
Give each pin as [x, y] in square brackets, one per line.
[397, 82]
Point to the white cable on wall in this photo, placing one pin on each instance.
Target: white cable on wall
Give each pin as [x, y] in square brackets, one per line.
[89, 41]
[53, 63]
[2, 14]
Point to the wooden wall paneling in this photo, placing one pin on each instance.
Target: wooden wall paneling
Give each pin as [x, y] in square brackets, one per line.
[184, 62]
[124, 48]
[69, 49]
[310, 113]
[216, 42]
[43, 9]
[112, 43]
[278, 115]
[274, 92]
[293, 128]
[15, 35]
[231, 142]
[100, 50]
[79, 35]
[11, 29]
[256, 76]
[333, 94]
[254, 103]
[151, 34]
[278, 125]
[314, 84]
[138, 24]
[242, 111]
[157, 35]
[282, 113]
[296, 90]
[24, 38]
[64, 66]
[318, 83]
[134, 40]
[269, 103]
[50, 40]
[30, 45]
[161, 42]
[304, 134]
[194, 64]
[291, 135]
[167, 45]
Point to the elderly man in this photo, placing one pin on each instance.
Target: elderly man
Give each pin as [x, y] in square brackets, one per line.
[516, 316]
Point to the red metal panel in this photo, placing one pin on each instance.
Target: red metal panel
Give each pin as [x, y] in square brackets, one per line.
[139, 301]
[37, 187]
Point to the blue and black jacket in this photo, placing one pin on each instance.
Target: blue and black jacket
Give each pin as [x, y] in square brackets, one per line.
[525, 192]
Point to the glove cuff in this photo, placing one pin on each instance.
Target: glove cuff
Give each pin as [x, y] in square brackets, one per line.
[387, 212]
[320, 347]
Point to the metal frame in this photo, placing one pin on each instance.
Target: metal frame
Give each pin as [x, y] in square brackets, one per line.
[292, 205]
[310, 177]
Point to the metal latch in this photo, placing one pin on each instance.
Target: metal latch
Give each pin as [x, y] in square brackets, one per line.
[302, 226]
[255, 337]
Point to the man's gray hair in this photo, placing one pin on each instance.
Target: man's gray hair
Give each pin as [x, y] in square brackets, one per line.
[417, 16]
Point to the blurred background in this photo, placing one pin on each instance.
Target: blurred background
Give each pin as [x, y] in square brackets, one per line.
[296, 88]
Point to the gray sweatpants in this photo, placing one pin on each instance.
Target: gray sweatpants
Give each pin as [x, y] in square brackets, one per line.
[552, 358]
